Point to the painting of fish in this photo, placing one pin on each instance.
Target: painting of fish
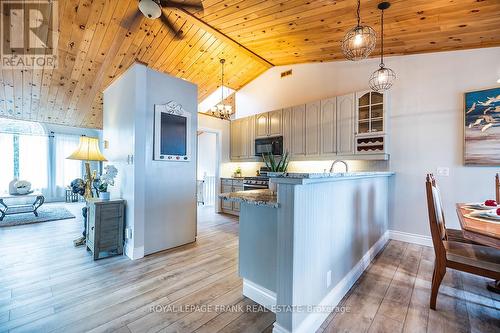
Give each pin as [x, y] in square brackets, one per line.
[482, 127]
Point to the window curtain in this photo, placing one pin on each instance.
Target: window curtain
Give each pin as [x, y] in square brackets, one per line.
[6, 161]
[33, 161]
[65, 170]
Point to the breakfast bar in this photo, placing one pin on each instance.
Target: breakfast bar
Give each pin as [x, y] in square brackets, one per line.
[302, 248]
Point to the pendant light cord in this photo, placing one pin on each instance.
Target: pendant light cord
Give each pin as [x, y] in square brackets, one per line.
[358, 12]
[222, 61]
[382, 41]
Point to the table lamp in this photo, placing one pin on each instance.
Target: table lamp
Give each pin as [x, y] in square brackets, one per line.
[88, 150]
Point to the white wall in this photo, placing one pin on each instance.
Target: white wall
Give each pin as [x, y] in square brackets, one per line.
[426, 120]
[161, 195]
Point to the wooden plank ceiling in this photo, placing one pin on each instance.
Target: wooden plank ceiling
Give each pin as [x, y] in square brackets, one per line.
[99, 39]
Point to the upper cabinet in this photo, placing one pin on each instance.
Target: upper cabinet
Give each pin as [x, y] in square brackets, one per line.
[345, 124]
[352, 126]
[312, 131]
[269, 124]
[371, 124]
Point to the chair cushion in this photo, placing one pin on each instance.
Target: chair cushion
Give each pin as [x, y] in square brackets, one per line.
[455, 235]
[473, 255]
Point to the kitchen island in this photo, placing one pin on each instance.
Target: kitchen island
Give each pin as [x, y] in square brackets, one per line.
[302, 249]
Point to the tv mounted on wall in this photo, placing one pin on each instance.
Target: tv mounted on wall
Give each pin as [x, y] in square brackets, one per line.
[171, 130]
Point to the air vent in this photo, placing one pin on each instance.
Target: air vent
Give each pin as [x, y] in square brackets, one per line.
[286, 73]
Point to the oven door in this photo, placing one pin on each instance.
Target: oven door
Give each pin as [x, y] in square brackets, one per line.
[269, 146]
[248, 187]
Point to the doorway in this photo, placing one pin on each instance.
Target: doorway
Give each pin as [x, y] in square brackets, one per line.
[208, 169]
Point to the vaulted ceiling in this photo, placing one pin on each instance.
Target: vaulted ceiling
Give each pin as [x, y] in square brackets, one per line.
[99, 39]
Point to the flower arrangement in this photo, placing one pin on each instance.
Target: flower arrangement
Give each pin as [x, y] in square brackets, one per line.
[107, 178]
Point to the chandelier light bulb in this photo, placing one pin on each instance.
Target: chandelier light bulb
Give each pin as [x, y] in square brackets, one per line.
[359, 41]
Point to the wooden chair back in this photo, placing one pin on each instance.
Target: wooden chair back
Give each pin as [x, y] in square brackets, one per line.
[436, 217]
[497, 187]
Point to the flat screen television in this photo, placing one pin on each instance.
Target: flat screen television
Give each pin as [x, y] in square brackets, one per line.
[171, 127]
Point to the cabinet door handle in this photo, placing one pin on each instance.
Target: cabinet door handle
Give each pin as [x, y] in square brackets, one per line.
[92, 228]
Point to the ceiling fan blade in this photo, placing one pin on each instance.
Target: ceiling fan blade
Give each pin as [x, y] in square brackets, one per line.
[177, 33]
[181, 5]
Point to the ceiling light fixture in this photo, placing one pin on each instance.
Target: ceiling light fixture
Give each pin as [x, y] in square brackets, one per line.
[360, 41]
[383, 78]
[222, 110]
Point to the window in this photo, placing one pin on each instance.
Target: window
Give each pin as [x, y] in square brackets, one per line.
[6, 161]
[66, 170]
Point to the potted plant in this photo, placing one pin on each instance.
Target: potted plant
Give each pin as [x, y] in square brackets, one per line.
[107, 179]
[276, 166]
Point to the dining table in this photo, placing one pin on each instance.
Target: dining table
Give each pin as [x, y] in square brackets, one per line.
[481, 231]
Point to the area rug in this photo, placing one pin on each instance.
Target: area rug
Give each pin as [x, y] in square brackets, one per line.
[45, 214]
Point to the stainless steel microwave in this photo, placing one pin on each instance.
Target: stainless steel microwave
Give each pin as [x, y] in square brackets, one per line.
[272, 145]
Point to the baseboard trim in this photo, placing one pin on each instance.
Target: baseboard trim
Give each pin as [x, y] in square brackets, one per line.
[134, 252]
[259, 294]
[410, 238]
[314, 320]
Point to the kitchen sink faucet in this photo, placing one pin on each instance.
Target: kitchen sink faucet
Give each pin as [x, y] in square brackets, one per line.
[339, 161]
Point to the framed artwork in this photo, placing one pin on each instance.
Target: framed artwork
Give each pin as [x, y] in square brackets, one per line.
[482, 127]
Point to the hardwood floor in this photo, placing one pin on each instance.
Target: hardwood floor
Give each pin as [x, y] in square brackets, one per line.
[47, 285]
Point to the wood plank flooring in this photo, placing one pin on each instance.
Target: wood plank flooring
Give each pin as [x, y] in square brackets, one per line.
[47, 285]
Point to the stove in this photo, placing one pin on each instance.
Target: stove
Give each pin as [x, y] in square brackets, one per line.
[255, 183]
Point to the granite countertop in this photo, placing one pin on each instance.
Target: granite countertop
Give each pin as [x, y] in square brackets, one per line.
[305, 178]
[254, 197]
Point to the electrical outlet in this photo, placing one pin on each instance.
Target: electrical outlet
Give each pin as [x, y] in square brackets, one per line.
[443, 171]
[128, 233]
[328, 278]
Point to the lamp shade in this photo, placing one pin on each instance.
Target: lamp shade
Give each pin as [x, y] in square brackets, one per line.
[88, 150]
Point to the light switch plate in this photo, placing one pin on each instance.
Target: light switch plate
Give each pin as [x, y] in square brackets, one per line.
[328, 278]
[128, 233]
[443, 171]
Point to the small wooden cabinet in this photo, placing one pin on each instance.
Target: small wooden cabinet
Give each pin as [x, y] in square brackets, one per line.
[229, 185]
[242, 138]
[105, 227]
[371, 124]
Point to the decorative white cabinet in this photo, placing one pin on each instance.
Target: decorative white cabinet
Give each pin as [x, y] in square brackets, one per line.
[298, 131]
[371, 123]
[345, 124]
[312, 129]
[261, 125]
[329, 126]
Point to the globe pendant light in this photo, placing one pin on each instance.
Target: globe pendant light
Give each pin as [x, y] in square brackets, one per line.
[383, 78]
[221, 110]
[360, 41]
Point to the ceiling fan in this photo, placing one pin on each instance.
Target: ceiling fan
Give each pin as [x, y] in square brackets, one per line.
[153, 9]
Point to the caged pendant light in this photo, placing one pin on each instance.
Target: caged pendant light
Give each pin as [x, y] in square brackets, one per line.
[360, 41]
[222, 110]
[383, 78]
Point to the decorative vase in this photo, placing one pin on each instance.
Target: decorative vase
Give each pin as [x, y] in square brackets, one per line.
[104, 195]
[273, 187]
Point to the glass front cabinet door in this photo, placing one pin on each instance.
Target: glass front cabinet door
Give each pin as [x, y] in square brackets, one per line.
[370, 123]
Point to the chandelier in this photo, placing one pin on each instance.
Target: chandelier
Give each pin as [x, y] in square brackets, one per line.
[360, 41]
[383, 78]
[222, 110]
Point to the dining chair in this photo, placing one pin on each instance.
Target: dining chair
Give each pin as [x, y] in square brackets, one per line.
[471, 258]
[497, 187]
[454, 235]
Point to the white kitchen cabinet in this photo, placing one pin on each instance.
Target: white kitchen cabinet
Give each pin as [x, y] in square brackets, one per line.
[287, 129]
[229, 185]
[345, 124]
[262, 125]
[371, 123]
[298, 129]
[312, 128]
[242, 138]
[328, 132]
[275, 119]
[225, 204]
[269, 124]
